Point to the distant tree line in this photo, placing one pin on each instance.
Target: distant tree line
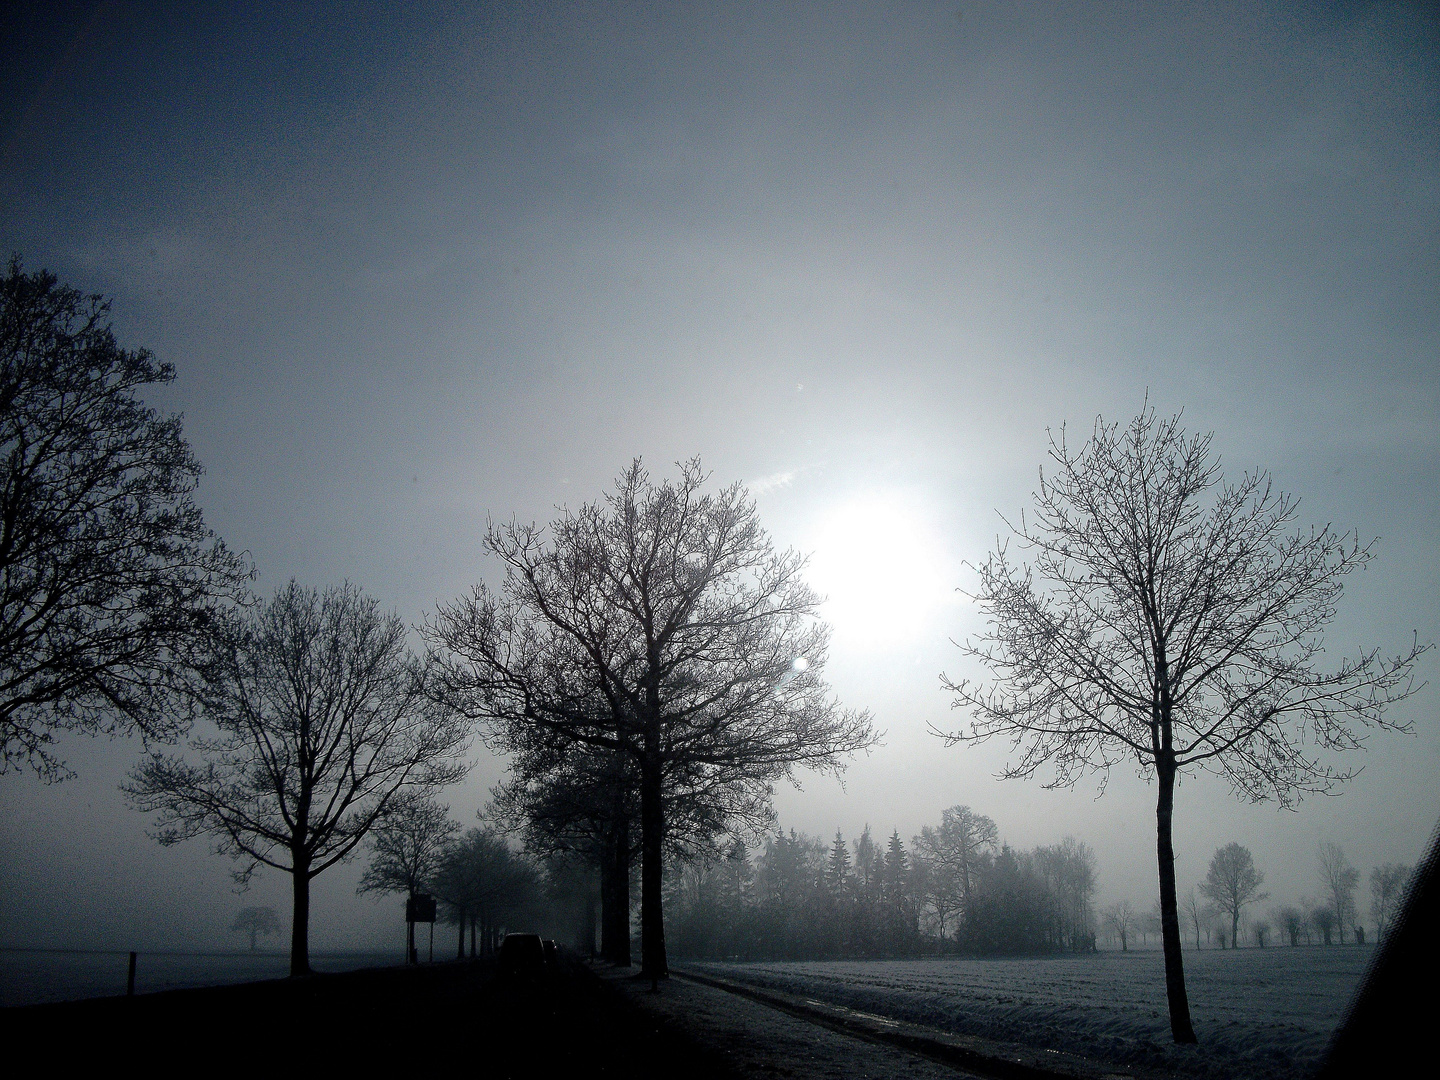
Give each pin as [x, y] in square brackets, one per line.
[1215, 911]
[956, 889]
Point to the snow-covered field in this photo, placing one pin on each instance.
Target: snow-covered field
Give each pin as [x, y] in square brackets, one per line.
[1257, 1012]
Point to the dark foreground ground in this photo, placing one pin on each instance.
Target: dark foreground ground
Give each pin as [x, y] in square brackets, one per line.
[460, 1015]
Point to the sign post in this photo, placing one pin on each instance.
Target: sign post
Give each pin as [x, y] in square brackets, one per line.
[419, 907]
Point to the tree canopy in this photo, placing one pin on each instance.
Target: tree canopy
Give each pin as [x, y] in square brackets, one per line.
[110, 580]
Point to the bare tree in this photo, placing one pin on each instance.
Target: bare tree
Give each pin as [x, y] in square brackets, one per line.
[1322, 918]
[1339, 879]
[255, 921]
[673, 609]
[1149, 923]
[1119, 919]
[1171, 619]
[1194, 913]
[1289, 921]
[1387, 885]
[109, 578]
[321, 724]
[407, 846]
[1231, 883]
[958, 844]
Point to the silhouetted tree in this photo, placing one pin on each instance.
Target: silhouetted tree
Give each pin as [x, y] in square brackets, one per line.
[567, 798]
[255, 921]
[482, 883]
[673, 608]
[1339, 879]
[1171, 619]
[1322, 918]
[1387, 886]
[407, 846]
[1231, 883]
[321, 724]
[109, 579]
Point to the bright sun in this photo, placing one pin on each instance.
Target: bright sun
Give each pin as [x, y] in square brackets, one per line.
[883, 567]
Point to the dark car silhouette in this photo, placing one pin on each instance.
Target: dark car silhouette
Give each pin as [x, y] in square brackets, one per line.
[552, 953]
[522, 956]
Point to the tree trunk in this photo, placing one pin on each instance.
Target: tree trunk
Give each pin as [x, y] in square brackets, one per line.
[1235, 928]
[1180, 1027]
[652, 835]
[300, 918]
[615, 894]
[460, 949]
[586, 940]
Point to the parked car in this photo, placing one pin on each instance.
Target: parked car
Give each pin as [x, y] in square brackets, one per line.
[522, 956]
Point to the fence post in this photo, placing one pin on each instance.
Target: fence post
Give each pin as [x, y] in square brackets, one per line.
[130, 979]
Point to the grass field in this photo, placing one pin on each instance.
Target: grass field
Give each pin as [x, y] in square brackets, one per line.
[1257, 1012]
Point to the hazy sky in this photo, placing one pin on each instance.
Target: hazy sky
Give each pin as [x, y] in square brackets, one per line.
[420, 268]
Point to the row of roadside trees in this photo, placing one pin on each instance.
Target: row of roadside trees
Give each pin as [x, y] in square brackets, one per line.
[651, 662]
[652, 656]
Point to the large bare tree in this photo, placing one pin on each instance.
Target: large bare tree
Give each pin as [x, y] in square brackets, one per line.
[671, 607]
[109, 579]
[1174, 620]
[319, 724]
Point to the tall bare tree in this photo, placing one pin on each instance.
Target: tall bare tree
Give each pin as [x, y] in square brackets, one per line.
[1173, 620]
[1339, 879]
[672, 608]
[109, 579]
[1231, 883]
[320, 723]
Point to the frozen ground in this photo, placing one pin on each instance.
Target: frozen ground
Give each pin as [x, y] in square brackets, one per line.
[1257, 1012]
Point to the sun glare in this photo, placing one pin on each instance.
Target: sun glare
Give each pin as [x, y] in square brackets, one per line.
[883, 568]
